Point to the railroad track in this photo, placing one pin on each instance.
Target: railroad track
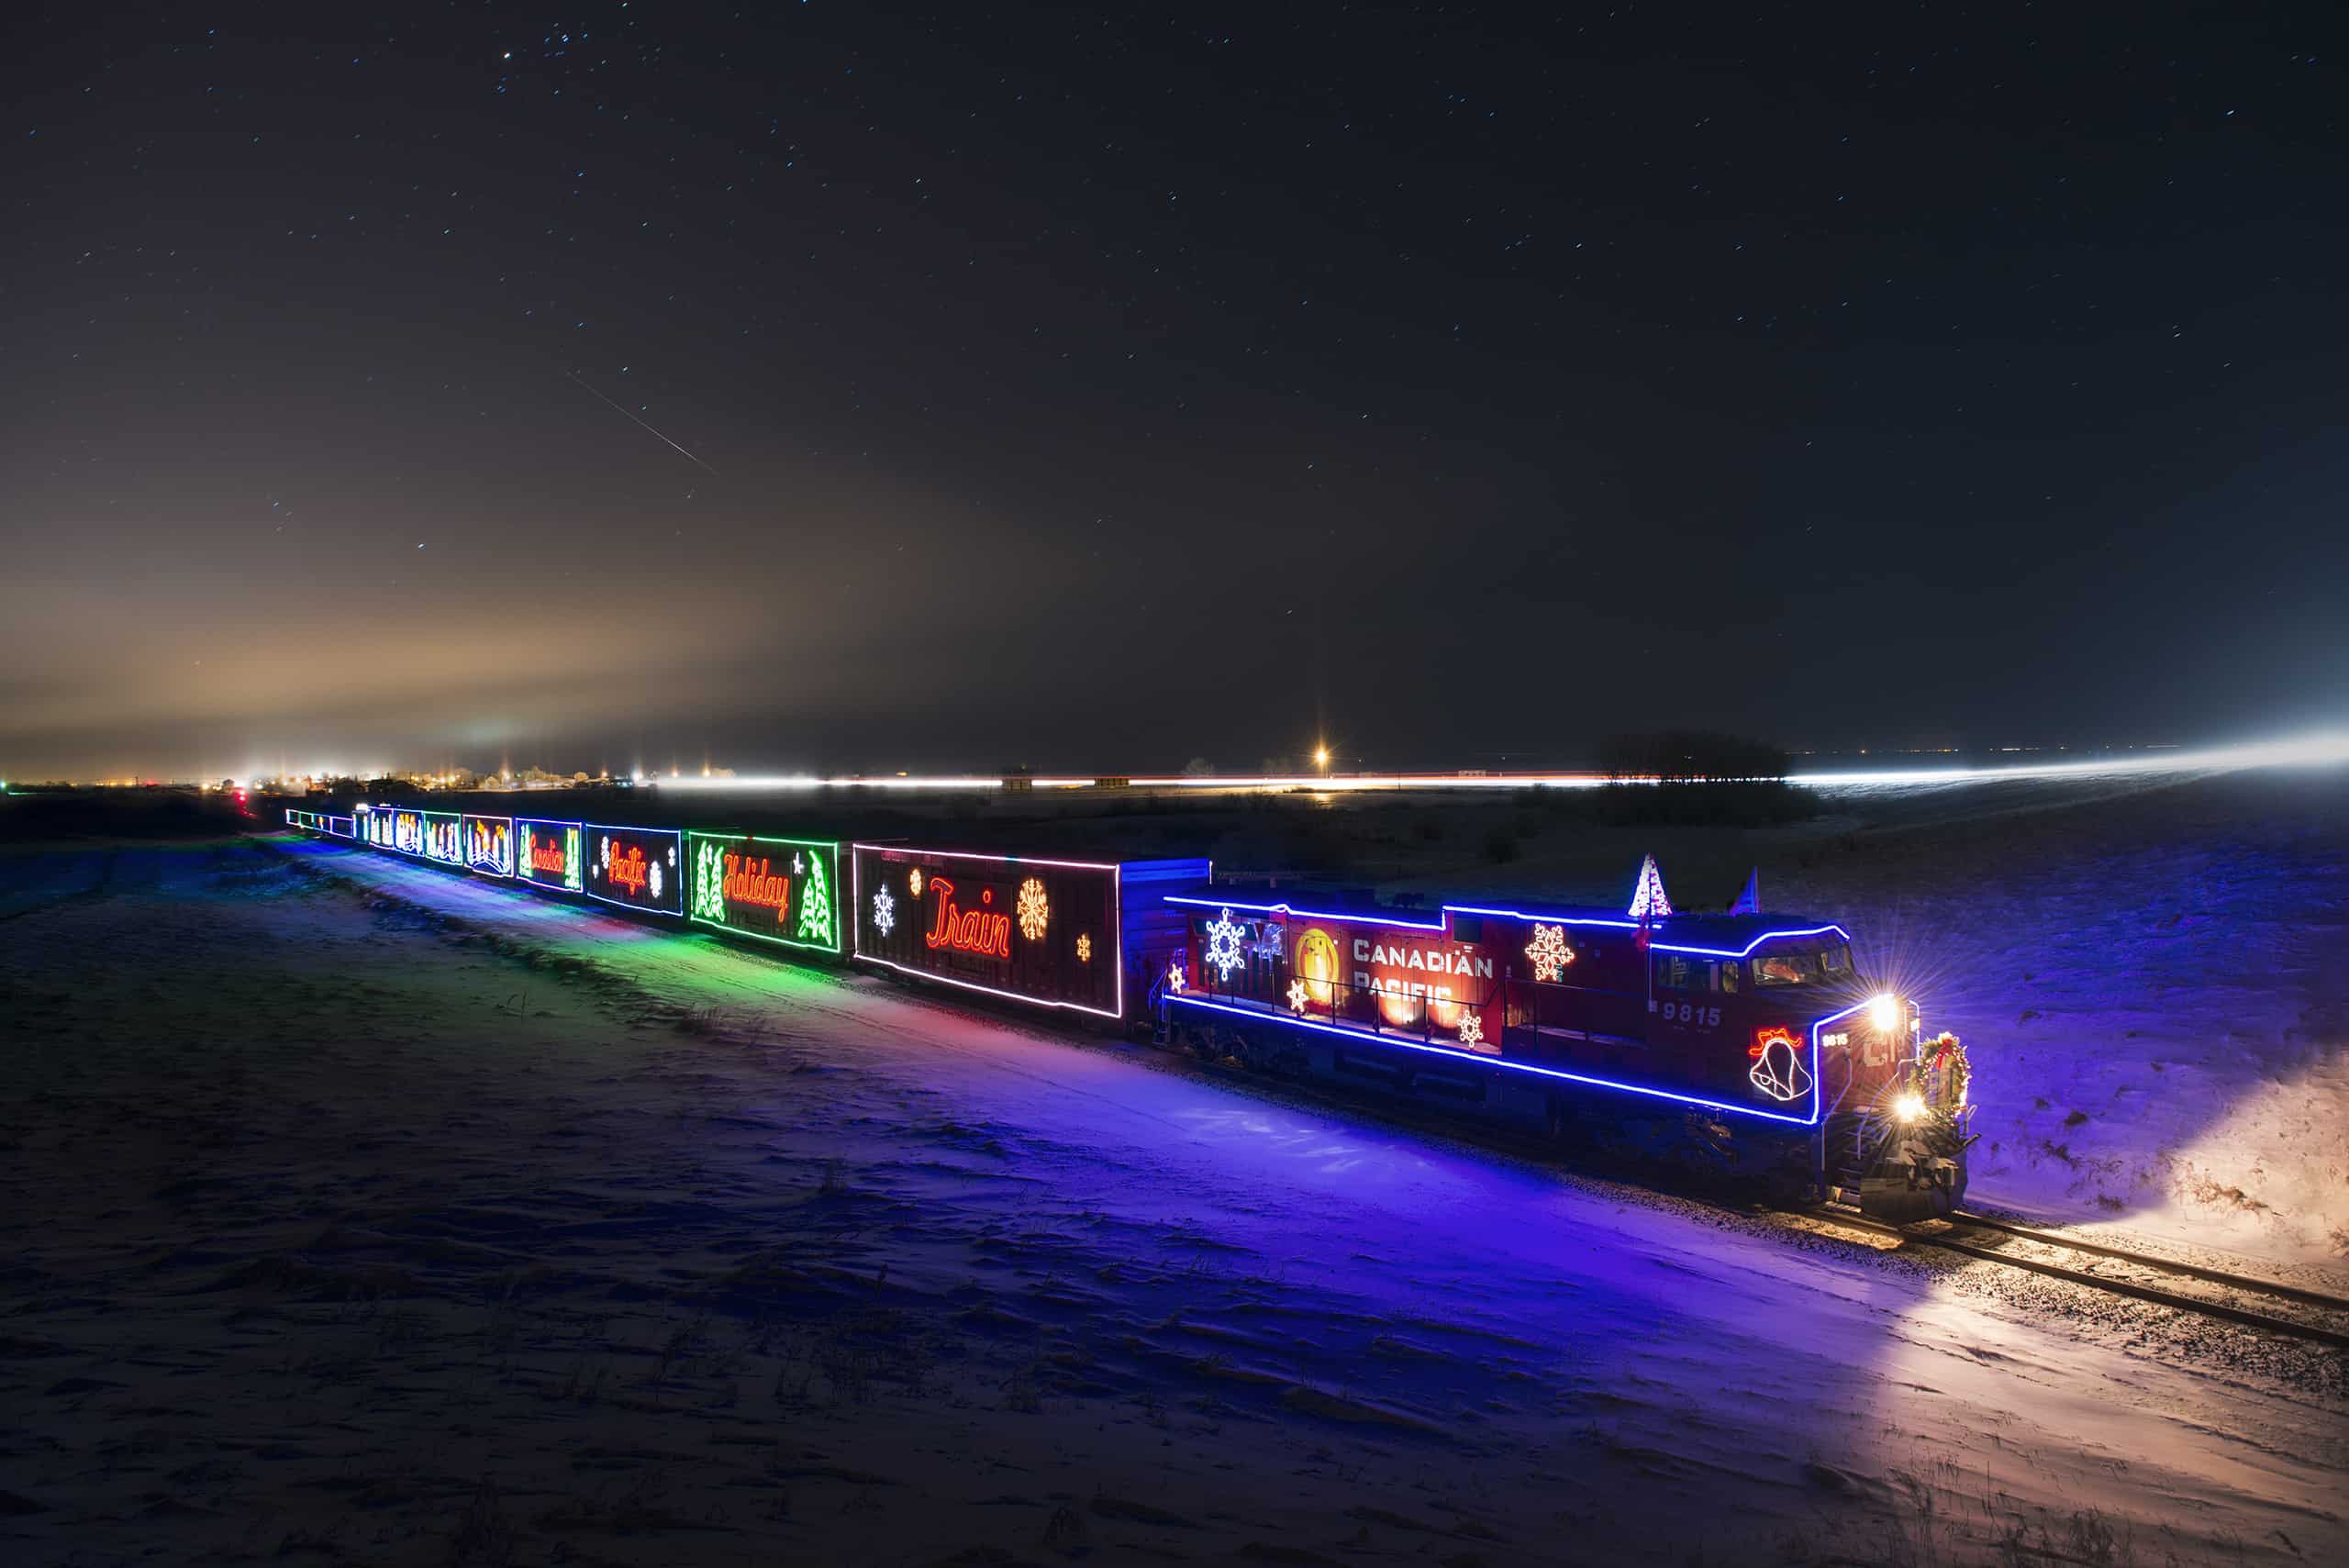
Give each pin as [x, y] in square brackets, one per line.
[2270, 1306]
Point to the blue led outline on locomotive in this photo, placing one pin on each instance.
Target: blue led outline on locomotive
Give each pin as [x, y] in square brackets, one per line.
[586, 851]
[1764, 936]
[1367, 919]
[1365, 1035]
[1306, 914]
[1653, 926]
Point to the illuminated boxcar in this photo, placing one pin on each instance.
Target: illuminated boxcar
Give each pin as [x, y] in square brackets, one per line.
[550, 855]
[785, 890]
[641, 868]
[1051, 933]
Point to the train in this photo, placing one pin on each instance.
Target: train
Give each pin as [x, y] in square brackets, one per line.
[1751, 1043]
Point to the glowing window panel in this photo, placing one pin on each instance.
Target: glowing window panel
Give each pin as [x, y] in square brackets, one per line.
[445, 838]
[407, 832]
[550, 854]
[636, 868]
[489, 845]
[778, 890]
[959, 922]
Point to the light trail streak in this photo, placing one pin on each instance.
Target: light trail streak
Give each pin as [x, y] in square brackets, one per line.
[626, 413]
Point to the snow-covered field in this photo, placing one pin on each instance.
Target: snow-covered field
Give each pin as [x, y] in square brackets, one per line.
[2152, 976]
[402, 1218]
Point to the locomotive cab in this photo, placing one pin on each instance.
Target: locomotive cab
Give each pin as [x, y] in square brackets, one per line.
[1893, 1104]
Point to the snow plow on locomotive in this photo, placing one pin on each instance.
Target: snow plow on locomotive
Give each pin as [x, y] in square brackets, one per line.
[1751, 1039]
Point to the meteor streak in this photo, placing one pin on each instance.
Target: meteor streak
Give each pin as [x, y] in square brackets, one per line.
[625, 413]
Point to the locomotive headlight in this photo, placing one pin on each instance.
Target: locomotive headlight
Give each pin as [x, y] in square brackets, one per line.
[1908, 1106]
[1885, 1013]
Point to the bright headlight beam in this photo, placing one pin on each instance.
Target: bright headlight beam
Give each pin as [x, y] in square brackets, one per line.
[2322, 750]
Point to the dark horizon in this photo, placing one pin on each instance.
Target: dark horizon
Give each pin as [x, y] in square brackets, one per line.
[856, 391]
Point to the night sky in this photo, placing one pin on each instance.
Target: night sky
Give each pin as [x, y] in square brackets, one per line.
[1102, 389]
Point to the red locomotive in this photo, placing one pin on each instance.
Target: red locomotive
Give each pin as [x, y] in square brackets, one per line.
[1761, 1028]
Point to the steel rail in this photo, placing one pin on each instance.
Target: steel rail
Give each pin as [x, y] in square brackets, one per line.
[2171, 1265]
[2174, 1300]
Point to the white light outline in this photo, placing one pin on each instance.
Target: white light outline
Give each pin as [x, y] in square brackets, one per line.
[1116, 917]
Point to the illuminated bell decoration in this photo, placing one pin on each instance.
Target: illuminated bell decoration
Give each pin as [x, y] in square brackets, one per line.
[1779, 1068]
[1549, 954]
[913, 881]
[1033, 909]
[1223, 946]
[1472, 1032]
[1648, 902]
[885, 911]
[1296, 995]
[1084, 947]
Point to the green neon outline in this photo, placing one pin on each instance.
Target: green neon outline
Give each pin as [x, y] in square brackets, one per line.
[458, 818]
[831, 874]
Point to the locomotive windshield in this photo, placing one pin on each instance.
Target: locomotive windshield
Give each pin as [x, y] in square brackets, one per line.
[1818, 966]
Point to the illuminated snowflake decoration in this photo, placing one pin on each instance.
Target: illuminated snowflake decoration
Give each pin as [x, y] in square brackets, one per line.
[1033, 910]
[1174, 977]
[1084, 947]
[913, 881]
[1472, 1032]
[885, 911]
[1296, 995]
[652, 878]
[1223, 946]
[1779, 1068]
[1549, 954]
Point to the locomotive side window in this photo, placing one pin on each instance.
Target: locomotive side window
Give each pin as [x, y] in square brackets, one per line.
[1730, 974]
[1786, 969]
[1836, 961]
[1675, 972]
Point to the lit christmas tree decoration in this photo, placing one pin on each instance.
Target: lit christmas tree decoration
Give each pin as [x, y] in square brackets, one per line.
[1648, 902]
[1549, 954]
[815, 902]
[709, 883]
